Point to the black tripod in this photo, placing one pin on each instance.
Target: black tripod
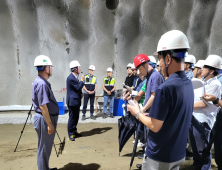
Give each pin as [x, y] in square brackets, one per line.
[62, 144]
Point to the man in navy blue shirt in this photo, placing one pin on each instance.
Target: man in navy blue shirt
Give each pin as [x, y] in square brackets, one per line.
[170, 114]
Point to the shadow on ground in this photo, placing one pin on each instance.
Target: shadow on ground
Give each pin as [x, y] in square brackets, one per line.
[78, 166]
[95, 131]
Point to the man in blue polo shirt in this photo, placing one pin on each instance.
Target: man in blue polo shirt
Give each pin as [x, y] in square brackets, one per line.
[170, 114]
[46, 111]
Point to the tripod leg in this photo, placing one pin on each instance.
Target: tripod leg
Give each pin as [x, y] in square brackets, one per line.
[56, 150]
[58, 136]
[23, 128]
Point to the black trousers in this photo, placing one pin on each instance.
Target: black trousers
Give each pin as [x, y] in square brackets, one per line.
[73, 119]
[86, 99]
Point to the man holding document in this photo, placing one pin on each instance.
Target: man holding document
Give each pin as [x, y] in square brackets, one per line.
[204, 113]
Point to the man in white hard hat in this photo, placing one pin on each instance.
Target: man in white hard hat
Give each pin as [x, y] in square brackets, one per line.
[130, 78]
[170, 115]
[203, 117]
[46, 110]
[134, 69]
[190, 60]
[197, 75]
[74, 95]
[109, 88]
[89, 90]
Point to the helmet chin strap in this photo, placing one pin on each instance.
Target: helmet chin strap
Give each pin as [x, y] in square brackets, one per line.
[207, 74]
[167, 73]
[146, 70]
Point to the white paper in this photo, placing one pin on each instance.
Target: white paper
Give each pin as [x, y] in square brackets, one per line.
[197, 83]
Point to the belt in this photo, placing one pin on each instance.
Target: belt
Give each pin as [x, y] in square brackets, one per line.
[49, 114]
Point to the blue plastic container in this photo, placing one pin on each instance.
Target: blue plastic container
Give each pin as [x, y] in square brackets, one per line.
[118, 110]
[61, 107]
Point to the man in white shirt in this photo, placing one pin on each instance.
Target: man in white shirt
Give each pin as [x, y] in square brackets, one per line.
[204, 114]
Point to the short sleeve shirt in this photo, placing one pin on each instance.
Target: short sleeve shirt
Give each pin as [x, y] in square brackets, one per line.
[173, 104]
[136, 82]
[129, 80]
[189, 74]
[42, 94]
[153, 83]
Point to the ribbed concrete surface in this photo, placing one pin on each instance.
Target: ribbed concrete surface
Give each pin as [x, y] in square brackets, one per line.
[87, 31]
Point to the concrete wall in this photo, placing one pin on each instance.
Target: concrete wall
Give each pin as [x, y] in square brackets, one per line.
[87, 31]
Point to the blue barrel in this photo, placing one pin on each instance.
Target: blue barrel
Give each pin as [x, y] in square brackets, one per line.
[118, 110]
[61, 107]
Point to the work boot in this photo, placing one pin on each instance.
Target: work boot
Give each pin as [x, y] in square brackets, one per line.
[111, 115]
[83, 117]
[93, 117]
[104, 116]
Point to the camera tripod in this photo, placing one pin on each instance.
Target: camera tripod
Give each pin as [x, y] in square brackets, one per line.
[61, 144]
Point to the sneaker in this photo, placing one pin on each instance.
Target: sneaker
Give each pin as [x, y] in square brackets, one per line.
[189, 155]
[134, 141]
[140, 145]
[104, 116]
[139, 166]
[93, 117]
[83, 117]
[111, 115]
[72, 137]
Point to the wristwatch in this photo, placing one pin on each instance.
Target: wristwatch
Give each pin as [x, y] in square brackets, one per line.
[216, 101]
[137, 114]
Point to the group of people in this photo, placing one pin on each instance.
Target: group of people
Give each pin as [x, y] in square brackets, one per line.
[165, 103]
[174, 114]
[47, 110]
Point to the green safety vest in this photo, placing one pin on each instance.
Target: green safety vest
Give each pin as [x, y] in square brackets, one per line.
[109, 85]
[90, 84]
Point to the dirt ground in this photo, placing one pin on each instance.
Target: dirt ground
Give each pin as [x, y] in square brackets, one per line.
[97, 149]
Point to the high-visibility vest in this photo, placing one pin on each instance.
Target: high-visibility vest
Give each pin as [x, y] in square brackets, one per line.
[109, 85]
[90, 84]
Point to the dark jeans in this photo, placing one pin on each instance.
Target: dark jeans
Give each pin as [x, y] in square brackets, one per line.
[199, 138]
[73, 119]
[86, 99]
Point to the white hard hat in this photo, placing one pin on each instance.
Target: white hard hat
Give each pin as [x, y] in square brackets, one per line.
[152, 59]
[92, 67]
[109, 69]
[133, 66]
[129, 65]
[190, 59]
[42, 60]
[199, 64]
[213, 61]
[74, 63]
[158, 63]
[172, 40]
